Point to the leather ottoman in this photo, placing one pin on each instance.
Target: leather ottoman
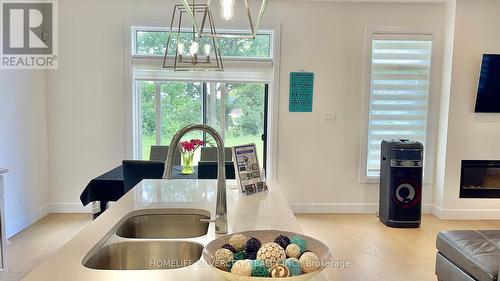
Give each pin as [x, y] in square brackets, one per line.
[468, 255]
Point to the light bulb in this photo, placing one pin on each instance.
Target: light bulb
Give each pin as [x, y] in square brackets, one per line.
[193, 48]
[227, 9]
[180, 48]
[207, 48]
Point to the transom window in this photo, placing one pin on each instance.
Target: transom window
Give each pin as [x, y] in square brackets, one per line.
[399, 92]
[153, 42]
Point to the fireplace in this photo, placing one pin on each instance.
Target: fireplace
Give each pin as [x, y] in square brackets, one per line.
[480, 179]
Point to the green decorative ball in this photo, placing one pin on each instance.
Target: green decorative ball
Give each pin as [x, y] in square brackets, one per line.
[240, 255]
[259, 269]
[299, 242]
[294, 266]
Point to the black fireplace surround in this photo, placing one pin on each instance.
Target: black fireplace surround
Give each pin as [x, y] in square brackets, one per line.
[480, 179]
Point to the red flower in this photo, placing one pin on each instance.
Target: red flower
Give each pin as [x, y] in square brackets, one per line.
[197, 142]
[191, 145]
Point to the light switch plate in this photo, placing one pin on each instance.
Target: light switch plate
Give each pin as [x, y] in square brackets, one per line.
[329, 117]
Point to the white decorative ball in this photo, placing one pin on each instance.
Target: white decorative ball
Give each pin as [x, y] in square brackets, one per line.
[271, 254]
[293, 251]
[242, 268]
[238, 241]
[309, 262]
[223, 257]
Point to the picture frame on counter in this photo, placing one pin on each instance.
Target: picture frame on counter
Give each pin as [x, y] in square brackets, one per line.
[247, 170]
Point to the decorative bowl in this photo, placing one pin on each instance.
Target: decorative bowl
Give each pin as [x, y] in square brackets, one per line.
[313, 245]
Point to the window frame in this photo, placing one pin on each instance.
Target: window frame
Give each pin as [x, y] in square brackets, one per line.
[131, 121]
[432, 107]
[135, 29]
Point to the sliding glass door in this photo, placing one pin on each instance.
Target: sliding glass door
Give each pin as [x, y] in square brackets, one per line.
[236, 110]
[244, 116]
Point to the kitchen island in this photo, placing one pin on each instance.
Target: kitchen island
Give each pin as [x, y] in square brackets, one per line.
[267, 210]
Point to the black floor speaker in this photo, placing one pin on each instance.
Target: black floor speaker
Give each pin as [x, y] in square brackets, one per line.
[400, 202]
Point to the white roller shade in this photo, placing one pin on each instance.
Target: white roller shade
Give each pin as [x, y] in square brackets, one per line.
[399, 92]
[234, 71]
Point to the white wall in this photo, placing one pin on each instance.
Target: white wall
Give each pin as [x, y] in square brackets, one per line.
[23, 147]
[471, 136]
[86, 98]
[318, 163]
[444, 104]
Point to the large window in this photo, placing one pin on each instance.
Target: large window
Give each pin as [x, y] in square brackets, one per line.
[399, 93]
[235, 110]
[234, 102]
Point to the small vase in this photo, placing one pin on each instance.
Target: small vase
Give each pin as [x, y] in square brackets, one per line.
[187, 162]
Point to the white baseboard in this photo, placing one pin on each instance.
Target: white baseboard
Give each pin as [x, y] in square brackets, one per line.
[70, 207]
[466, 214]
[22, 223]
[344, 208]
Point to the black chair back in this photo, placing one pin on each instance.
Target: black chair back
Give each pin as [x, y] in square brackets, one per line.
[209, 169]
[160, 152]
[210, 154]
[134, 171]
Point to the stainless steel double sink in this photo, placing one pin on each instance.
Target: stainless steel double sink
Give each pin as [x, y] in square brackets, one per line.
[152, 239]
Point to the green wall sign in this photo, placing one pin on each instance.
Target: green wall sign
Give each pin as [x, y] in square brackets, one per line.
[301, 91]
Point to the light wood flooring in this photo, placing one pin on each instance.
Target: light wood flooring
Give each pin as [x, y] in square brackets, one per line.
[364, 248]
[379, 253]
[30, 247]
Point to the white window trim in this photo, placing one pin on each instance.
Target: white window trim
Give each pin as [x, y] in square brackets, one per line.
[433, 102]
[131, 112]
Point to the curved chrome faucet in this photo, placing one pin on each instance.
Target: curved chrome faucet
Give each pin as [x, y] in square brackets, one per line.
[221, 208]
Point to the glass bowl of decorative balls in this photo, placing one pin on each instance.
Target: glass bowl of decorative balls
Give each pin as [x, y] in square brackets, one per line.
[264, 254]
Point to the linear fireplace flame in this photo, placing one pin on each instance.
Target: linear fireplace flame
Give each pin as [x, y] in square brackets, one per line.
[480, 179]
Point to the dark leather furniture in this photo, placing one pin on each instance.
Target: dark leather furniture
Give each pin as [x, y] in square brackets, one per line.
[467, 255]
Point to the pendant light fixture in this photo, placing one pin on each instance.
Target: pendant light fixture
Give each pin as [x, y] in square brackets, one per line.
[186, 49]
[228, 13]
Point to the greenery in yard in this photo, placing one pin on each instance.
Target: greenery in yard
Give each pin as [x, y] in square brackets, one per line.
[181, 105]
[154, 42]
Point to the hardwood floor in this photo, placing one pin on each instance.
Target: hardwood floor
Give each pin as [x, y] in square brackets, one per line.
[364, 248]
[376, 252]
[30, 247]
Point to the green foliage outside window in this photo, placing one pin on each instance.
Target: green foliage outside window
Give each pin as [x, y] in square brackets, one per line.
[154, 42]
[181, 105]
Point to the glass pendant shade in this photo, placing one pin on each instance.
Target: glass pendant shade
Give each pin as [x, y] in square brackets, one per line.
[227, 12]
[186, 50]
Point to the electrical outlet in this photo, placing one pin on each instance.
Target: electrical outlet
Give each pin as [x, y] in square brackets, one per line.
[329, 117]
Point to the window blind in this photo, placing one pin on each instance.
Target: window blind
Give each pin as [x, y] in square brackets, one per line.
[399, 92]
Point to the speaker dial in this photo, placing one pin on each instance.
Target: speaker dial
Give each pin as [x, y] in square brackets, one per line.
[405, 195]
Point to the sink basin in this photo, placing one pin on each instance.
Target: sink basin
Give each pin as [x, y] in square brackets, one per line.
[174, 223]
[145, 255]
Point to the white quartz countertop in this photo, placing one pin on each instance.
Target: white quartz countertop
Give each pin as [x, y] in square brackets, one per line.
[267, 210]
[3, 171]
